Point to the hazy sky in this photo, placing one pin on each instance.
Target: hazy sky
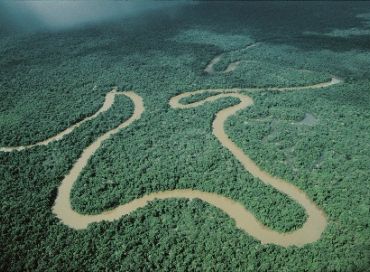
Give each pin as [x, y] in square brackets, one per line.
[66, 14]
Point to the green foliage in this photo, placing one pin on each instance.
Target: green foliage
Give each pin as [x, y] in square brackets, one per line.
[222, 41]
[47, 82]
[258, 73]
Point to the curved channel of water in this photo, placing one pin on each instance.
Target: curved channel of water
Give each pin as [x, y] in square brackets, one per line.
[108, 102]
[310, 231]
[245, 220]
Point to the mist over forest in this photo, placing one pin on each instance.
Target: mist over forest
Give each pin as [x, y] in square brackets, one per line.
[31, 16]
[184, 136]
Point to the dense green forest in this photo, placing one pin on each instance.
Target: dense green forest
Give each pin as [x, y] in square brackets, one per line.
[49, 81]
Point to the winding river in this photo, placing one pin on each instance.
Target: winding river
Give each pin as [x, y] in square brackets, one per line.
[310, 231]
[108, 102]
[245, 220]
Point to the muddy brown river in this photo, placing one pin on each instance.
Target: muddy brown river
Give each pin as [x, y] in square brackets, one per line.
[310, 231]
[245, 220]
